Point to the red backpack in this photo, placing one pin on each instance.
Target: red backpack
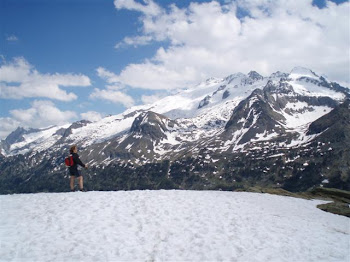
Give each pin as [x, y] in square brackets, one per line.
[69, 160]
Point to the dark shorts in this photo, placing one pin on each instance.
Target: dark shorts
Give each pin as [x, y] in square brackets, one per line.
[74, 172]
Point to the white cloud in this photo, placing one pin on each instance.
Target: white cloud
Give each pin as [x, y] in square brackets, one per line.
[158, 77]
[8, 125]
[12, 38]
[113, 91]
[134, 41]
[19, 79]
[92, 116]
[108, 76]
[209, 39]
[42, 114]
[151, 98]
[149, 8]
[117, 97]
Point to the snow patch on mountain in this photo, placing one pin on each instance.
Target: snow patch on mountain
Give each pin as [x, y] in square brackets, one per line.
[266, 136]
[39, 140]
[305, 88]
[299, 71]
[101, 130]
[302, 114]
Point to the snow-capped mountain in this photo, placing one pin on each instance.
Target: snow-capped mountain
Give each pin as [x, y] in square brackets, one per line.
[249, 117]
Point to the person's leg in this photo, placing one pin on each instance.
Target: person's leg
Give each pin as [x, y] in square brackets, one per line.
[72, 179]
[81, 182]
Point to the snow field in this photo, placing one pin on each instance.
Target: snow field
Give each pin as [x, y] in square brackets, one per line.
[169, 226]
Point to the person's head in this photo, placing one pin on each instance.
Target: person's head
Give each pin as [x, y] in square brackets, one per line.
[73, 149]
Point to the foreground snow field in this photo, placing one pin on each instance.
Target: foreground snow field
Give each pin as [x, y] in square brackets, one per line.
[169, 226]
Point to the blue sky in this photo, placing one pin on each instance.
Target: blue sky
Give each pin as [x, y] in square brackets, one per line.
[61, 61]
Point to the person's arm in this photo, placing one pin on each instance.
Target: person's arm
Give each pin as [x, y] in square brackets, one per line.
[77, 160]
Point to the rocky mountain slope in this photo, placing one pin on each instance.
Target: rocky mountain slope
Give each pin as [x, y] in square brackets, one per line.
[286, 130]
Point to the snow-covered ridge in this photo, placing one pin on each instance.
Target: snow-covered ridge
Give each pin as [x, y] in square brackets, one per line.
[299, 71]
[306, 88]
[40, 139]
[101, 130]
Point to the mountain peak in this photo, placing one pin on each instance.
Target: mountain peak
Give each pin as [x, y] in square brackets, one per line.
[234, 76]
[151, 124]
[16, 136]
[255, 75]
[212, 80]
[300, 71]
[278, 74]
[65, 132]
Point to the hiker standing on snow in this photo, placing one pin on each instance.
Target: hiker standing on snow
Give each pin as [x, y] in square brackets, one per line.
[73, 170]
